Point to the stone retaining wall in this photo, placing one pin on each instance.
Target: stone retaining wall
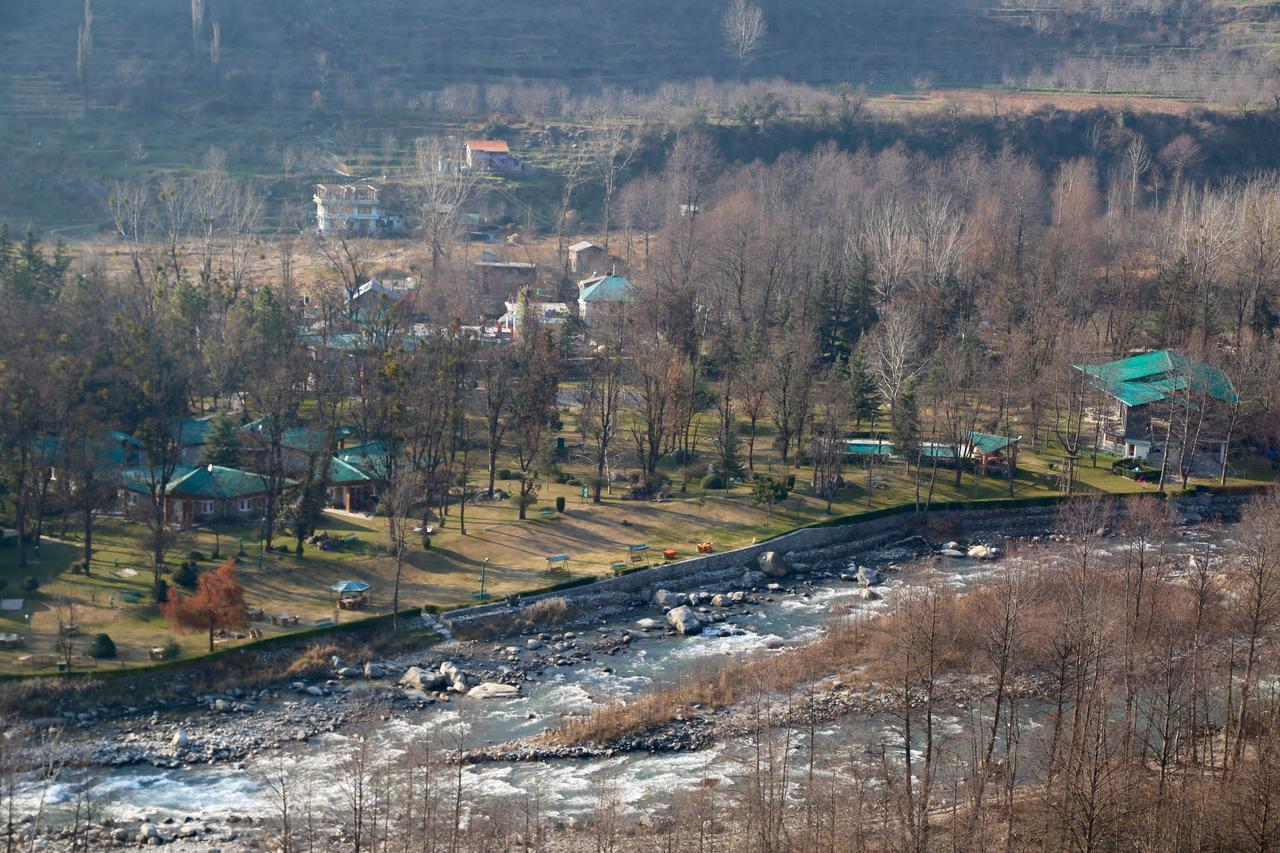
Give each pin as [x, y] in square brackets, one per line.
[834, 540]
[712, 568]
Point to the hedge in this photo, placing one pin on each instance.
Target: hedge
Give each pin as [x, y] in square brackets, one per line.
[253, 645]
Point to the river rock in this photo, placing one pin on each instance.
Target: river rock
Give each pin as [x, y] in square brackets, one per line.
[424, 681]
[147, 831]
[954, 553]
[772, 564]
[667, 599]
[719, 600]
[868, 576]
[868, 594]
[372, 671]
[737, 597]
[646, 624]
[493, 690]
[180, 739]
[983, 552]
[533, 644]
[685, 620]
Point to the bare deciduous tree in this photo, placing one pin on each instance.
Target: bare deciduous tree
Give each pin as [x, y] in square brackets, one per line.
[743, 28]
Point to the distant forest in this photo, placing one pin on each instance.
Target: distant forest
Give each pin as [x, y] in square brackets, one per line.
[94, 91]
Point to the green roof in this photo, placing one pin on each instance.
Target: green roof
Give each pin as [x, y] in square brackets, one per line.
[1155, 376]
[204, 481]
[611, 288]
[370, 457]
[988, 443]
[341, 472]
[191, 432]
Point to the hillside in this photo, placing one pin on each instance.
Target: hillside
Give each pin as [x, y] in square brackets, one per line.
[156, 84]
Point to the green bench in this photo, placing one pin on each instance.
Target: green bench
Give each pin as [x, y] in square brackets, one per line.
[547, 513]
[618, 567]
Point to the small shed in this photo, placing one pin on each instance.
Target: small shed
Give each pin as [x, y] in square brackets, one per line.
[987, 449]
[585, 257]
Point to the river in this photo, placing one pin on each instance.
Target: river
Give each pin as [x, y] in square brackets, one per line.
[567, 789]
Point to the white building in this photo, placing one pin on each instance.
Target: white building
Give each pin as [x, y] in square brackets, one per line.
[348, 207]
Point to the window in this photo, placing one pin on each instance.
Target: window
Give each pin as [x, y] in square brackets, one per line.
[245, 505]
[208, 507]
[133, 499]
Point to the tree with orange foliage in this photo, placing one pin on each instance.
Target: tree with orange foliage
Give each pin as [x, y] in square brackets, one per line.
[218, 604]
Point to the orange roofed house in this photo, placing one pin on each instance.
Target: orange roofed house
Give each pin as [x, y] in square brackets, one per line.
[491, 155]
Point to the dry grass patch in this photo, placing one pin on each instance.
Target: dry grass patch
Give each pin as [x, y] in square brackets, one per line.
[723, 685]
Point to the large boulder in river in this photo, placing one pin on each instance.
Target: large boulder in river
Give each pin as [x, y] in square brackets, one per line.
[868, 576]
[667, 599]
[180, 739]
[772, 564]
[685, 620]
[417, 678]
[493, 690]
[982, 552]
[372, 671]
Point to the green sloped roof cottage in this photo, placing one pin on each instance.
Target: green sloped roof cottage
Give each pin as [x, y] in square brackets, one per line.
[1136, 383]
[1157, 376]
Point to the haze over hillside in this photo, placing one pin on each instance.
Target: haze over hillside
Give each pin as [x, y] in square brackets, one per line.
[88, 92]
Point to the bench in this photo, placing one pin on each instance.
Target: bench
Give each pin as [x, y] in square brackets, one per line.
[547, 513]
[618, 567]
[557, 563]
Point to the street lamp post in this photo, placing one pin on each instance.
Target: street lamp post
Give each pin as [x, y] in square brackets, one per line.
[30, 638]
[482, 595]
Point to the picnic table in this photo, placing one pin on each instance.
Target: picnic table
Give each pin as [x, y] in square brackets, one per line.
[285, 620]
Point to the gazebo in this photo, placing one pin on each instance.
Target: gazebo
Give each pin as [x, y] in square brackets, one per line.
[351, 594]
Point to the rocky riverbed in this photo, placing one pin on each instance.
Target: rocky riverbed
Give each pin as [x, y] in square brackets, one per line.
[240, 729]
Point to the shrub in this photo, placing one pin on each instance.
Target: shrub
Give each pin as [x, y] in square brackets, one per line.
[791, 482]
[30, 584]
[171, 649]
[546, 611]
[573, 481]
[102, 647]
[559, 503]
[695, 472]
[504, 473]
[713, 481]
[561, 477]
[195, 555]
[186, 576]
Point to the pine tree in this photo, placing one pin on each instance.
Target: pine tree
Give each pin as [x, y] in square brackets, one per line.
[222, 445]
[905, 424]
[862, 390]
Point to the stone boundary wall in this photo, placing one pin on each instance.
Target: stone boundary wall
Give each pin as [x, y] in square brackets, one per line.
[1028, 518]
[856, 535]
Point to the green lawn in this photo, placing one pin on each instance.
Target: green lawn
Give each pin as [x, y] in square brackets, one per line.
[594, 537]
